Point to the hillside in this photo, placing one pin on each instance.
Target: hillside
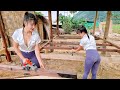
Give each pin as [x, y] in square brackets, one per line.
[89, 15]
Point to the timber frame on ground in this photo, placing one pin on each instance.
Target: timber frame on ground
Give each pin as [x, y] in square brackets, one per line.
[50, 44]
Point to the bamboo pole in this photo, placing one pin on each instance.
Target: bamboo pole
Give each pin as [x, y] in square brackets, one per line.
[4, 40]
[96, 16]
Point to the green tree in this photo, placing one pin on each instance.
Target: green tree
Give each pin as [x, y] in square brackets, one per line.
[39, 13]
[61, 18]
[72, 12]
[116, 17]
[67, 24]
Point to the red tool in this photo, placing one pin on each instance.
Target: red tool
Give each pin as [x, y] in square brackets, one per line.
[28, 65]
[27, 62]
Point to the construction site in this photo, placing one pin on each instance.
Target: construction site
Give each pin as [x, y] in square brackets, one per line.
[56, 49]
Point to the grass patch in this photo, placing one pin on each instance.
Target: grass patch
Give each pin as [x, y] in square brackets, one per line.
[116, 28]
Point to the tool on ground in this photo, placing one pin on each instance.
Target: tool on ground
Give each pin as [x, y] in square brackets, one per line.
[72, 51]
[28, 65]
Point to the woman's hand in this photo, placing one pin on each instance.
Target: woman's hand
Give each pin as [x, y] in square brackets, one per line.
[74, 51]
[42, 66]
[24, 60]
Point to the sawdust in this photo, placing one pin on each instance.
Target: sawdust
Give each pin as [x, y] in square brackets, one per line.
[10, 74]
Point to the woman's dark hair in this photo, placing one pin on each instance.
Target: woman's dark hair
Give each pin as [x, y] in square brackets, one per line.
[29, 16]
[82, 29]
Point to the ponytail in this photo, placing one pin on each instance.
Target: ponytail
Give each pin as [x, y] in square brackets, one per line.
[88, 36]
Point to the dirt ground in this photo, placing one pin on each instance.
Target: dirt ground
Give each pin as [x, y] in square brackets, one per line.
[115, 38]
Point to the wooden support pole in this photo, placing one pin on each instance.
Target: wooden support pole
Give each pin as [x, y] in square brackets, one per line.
[3, 27]
[58, 23]
[4, 40]
[50, 20]
[96, 16]
[51, 33]
[106, 28]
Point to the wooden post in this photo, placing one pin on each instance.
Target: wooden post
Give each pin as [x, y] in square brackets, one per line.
[3, 27]
[58, 23]
[106, 29]
[51, 33]
[4, 40]
[96, 16]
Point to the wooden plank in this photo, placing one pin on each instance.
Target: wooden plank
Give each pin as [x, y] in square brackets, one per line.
[68, 37]
[42, 77]
[113, 44]
[44, 45]
[110, 43]
[72, 37]
[40, 71]
[77, 43]
[69, 48]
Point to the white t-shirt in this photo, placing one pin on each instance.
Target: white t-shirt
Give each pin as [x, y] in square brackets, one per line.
[88, 43]
[18, 38]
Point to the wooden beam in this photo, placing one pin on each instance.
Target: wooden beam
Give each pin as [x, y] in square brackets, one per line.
[106, 28]
[4, 40]
[19, 69]
[71, 37]
[77, 43]
[44, 45]
[113, 44]
[109, 50]
[96, 16]
[51, 33]
[68, 37]
[110, 43]
[58, 23]
[69, 48]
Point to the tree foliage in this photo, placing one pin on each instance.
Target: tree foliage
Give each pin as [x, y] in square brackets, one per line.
[39, 13]
[66, 24]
